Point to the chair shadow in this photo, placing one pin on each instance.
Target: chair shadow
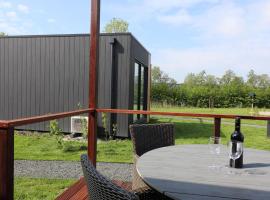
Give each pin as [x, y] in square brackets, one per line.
[256, 165]
[205, 191]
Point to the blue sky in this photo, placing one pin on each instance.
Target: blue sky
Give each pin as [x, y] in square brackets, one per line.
[183, 36]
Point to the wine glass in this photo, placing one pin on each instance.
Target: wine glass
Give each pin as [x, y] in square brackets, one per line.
[214, 145]
[235, 150]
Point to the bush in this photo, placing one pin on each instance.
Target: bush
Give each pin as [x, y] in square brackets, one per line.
[57, 132]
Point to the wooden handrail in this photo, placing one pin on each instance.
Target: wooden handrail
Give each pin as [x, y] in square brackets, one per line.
[181, 114]
[42, 118]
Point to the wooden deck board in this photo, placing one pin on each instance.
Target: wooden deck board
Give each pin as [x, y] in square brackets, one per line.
[78, 191]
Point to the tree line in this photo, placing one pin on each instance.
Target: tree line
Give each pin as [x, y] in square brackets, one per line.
[208, 91]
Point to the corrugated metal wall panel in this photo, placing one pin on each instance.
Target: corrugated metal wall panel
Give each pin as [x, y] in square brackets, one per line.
[49, 74]
[2, 81]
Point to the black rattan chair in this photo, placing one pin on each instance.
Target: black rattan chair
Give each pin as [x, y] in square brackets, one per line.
[101, 188]
[146, 137]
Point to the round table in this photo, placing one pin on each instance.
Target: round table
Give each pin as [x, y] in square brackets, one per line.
[183, 172]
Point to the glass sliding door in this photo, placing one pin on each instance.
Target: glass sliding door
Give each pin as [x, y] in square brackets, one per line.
[140, 89]
[136, 106]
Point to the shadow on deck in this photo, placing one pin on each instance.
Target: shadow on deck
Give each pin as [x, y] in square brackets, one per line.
[78, 191]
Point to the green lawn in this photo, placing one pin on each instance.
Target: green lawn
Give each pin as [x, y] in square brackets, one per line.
[187, 132]
[37, 189]
[44, 147]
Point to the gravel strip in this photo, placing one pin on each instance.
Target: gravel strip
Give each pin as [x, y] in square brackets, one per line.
[69, 169]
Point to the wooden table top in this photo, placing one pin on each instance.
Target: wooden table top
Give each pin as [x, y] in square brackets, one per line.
[183, 172]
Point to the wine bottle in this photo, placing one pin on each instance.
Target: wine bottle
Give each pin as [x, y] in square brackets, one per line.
[238, 137]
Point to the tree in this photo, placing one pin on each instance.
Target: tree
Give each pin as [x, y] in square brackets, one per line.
[258, 81]
[205, 90]
[264, 81]
[2, 34]
[158, 76]
[190, 79]
[163, 87]
[252, 79]
[227, 78]
[201, 78]
[116, 25]
[203, 87]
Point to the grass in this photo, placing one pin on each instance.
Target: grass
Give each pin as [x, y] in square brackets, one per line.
[189, 132]
[44, 147]
[36, 189]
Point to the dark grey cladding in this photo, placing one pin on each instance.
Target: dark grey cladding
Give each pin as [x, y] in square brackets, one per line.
[43, 74]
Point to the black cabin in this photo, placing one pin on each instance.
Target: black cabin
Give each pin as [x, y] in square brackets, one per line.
[44, 74]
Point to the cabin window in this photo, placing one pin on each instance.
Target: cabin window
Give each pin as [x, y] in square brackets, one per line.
[140, 89]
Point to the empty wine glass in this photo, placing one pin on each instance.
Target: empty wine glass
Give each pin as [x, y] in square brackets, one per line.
[235, 150]
[214, 145]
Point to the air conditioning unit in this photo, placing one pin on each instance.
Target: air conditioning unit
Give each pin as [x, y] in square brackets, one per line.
[77, 123]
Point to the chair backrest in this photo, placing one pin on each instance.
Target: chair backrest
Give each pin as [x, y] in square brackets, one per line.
[101, 188]
[146, 137]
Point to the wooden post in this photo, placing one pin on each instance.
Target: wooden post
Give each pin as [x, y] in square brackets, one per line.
[268, 128]
[6, 163]
[93, 72]
[217, 127]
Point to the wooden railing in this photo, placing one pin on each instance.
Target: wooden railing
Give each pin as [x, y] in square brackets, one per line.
[217, 117]
[7, 137]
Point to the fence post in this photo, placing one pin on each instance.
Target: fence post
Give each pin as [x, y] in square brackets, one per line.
[6, 163]
[217, 127]
[268, 128]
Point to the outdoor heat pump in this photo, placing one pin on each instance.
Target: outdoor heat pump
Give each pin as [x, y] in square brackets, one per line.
[78, 124]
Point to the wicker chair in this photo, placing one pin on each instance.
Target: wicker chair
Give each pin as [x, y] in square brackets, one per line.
[101, 188]
[146, 137]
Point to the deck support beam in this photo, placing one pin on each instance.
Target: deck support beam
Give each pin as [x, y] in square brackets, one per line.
[93, 74]
[217, 126]
[6, 163]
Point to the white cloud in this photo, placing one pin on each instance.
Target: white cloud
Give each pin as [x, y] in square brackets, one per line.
[161, 5]
[5, 4]
[23, 8]
[12, 21]
[12, 28]
[223, 20]
[51, 20]
[41, 11]
[11, 14]
[143, 10]
[230, 26]
[180, 18]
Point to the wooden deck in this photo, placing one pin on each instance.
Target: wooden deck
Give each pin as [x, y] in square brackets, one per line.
[78, 191]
